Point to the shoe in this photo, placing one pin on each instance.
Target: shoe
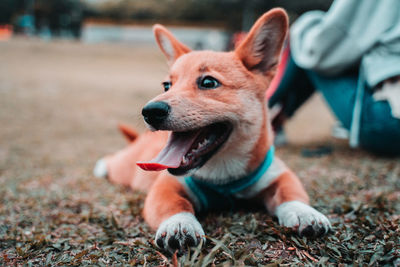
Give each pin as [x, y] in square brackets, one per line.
[339, 132]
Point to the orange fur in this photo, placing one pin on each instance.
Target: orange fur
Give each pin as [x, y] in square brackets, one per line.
[166, 198]
[189, 103]
[244, 76]
[129, 133]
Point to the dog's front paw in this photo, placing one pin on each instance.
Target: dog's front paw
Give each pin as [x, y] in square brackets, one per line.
[308, 221]
[179, 231]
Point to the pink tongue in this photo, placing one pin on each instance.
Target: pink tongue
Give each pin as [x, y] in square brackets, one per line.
[172, 154]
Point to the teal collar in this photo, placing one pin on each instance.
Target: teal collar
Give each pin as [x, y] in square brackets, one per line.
[199, 187]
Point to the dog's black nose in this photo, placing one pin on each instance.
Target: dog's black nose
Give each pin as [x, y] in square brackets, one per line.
[155, 113]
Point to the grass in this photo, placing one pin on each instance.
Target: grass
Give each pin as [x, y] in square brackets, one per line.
[56, 122]
[77, 223]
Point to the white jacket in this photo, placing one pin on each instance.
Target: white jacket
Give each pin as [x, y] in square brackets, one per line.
[352, 32]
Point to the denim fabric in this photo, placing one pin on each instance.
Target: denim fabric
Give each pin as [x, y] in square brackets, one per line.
[379, 132]
[293, 90]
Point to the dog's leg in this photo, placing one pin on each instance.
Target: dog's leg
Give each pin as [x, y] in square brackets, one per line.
[287, 200]
[168, 210]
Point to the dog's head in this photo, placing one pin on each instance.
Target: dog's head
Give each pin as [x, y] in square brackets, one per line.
[214, 102]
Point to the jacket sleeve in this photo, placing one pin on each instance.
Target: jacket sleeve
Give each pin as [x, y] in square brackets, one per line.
[332, 42]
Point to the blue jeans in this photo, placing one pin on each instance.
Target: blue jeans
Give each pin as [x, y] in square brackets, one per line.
[379, 131]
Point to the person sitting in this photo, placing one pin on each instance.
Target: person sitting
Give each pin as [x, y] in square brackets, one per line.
[351, 54]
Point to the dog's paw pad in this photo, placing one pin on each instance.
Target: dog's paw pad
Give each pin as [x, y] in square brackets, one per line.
[178, 232]
[305, 219]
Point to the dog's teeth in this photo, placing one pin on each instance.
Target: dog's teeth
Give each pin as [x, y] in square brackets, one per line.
[201, 144]
[198, 148]
[205, 141]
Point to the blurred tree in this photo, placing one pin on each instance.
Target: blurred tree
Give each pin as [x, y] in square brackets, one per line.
[7, 9]
[233, 14]
[60, 16]
[57, 15]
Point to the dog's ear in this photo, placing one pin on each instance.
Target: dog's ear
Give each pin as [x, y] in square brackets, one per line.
[168, 44]
[260, 50]
[128, 132]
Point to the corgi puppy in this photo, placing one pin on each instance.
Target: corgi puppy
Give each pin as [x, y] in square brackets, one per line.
[211, 143]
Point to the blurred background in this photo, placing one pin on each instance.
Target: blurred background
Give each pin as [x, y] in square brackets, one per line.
[71, 70]
[212, 22]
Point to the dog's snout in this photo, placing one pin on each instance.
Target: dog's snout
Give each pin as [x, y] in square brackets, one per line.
[155, 113]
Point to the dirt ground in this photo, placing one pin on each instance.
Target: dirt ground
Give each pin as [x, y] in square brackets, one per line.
[60, 103]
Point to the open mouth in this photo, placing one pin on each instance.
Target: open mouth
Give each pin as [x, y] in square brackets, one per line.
[189, 150]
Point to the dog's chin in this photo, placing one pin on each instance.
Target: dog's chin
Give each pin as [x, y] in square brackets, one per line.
[209, 141]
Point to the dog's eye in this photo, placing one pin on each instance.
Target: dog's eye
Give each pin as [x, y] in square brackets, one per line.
[166, 85]
[208, 82]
